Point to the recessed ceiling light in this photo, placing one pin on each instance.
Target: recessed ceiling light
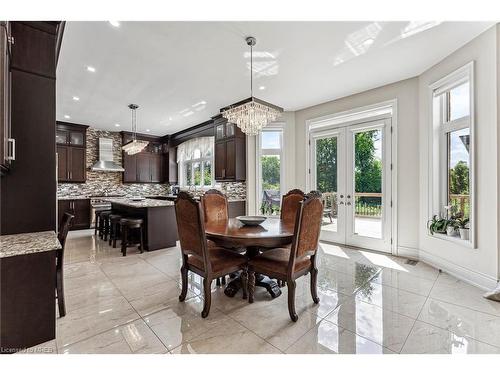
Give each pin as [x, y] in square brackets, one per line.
[147, 130]
[368, 41]
[170, 118]
[67, 116]
[91, 69]
[262, 87]
[76, 98]
[115, 23]
[117, 125]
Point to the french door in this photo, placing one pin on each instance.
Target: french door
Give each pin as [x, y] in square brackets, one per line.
[351, 167]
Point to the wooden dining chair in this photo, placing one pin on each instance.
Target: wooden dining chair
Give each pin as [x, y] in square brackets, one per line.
[290, 205]
[215, 208]
[291, 263]
[209, 263]
[61, 236]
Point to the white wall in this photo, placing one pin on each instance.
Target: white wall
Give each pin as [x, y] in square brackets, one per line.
[406, 93]
[289, 156]
[480, 266]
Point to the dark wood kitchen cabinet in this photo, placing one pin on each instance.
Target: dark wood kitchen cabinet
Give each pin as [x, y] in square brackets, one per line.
[230, 151]
[146, 166]
[7, 147]
[78, 207]
[71, 152]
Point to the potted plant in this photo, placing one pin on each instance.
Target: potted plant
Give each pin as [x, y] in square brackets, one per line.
[451, 228]
[437, 224]
[463, 228]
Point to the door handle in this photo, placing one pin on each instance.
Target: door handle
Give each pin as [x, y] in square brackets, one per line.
[348, 203]
[341, 202]
[348, 196]
[11, 151]
[341, 195]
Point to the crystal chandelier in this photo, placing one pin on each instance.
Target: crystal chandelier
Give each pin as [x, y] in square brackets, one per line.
[134, 146]
[252, 114]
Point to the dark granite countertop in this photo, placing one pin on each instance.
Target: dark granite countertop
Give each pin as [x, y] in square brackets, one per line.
[145, 203]
[28, 243]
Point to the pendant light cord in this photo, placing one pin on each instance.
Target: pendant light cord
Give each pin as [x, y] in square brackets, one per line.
[251, 71]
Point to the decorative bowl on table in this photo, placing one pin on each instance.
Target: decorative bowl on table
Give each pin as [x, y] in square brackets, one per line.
[251, 220]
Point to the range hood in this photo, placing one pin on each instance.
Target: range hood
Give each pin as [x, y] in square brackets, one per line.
[106, 163]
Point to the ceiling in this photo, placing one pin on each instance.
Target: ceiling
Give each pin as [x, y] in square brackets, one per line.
[182, 73]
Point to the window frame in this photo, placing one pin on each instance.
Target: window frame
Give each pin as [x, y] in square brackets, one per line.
[441, 127]
[277, 126]
[201, 160]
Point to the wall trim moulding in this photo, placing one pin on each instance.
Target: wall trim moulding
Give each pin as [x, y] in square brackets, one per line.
[408, 252]
[477, 279]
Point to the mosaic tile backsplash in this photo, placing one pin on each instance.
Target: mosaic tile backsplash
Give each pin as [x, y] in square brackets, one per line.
[111, 182]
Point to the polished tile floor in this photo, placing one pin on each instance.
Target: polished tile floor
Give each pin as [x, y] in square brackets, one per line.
[370, 303]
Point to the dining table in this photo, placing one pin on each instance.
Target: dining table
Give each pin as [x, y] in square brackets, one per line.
[251, 240]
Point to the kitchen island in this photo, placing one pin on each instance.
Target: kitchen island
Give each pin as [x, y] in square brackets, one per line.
[160, 226]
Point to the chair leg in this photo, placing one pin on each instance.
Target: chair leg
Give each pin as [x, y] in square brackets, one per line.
[314, 284]
[111, 227]
[217, 281]
[291, 300]
[124, 241]
[207, 297]
[223, 280]
[96, 225]
[60, 294]
[115, 236]
[251, 285]
[244, 283]
[184, 281]
[141, 229]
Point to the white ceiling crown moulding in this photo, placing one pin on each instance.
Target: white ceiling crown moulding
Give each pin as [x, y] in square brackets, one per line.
[252, 114]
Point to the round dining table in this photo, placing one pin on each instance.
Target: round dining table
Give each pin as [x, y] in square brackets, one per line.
[252, 240]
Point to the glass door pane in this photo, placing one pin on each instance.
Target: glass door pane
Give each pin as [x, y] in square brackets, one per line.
[368, 172]
[326, 180]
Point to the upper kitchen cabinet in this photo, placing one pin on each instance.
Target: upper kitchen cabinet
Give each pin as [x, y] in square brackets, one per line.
[230, 151]
[71, 152]
[146, 166]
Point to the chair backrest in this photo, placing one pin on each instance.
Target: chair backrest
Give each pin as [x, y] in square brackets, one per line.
[62, 233]
[307, 228]
[191, 228]
[64, 226]
[215, 206]
[290, 205]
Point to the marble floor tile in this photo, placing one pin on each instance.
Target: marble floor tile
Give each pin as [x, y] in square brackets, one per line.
[449, 289]
[328, 338]
[272, 322]
[462, 321]
[226, 337]
[428, 339]
[151, 293]
[404, 281]
[132, 338]
[389, 298]
[343, 282]
[182, 322]
[87, 321]
[384, 327]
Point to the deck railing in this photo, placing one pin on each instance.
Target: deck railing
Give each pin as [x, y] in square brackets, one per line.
[461, 202]
[363, 208]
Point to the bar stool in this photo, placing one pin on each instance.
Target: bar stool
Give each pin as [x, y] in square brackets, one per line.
[114, 228]
[127, 225]
[96, 221]
[104, 225]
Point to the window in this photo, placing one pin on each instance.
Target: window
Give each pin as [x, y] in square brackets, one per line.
[270, 170]
[195, 159]
[452, 122]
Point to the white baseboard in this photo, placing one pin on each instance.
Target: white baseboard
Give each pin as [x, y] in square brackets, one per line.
[407, 252]
[478, 279]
